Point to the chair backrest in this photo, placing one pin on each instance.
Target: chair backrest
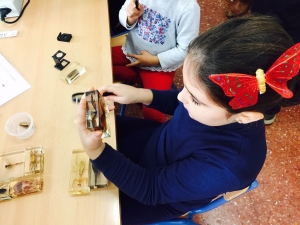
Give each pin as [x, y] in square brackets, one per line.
[118, 40]
[220, 200]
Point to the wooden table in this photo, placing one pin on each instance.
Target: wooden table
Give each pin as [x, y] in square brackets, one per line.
[49, 102]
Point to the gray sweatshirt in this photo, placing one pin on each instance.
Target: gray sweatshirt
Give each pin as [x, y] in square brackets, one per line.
[165, 29]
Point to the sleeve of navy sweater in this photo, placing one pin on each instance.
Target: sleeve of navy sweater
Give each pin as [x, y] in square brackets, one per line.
[164, 101]
[186, 180]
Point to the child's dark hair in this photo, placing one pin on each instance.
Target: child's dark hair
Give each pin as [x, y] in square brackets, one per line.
[240, 45]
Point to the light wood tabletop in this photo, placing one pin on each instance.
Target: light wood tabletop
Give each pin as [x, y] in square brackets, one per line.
[54, 114]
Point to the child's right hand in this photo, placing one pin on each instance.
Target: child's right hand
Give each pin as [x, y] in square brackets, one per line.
[133, 13]
[126, 94]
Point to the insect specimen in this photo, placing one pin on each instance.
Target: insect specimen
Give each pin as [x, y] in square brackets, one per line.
[24, 187]
[81, 167]
[36, 161]
[2, 190]
[92, 114]
[73, 75]
[7, 166]
[24, 124]
[96, 111]
[33, 160]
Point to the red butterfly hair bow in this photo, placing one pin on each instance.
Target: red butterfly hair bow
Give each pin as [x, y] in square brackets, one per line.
[244, 88]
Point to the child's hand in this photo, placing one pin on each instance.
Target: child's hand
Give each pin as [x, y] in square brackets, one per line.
[133, 13]
[91, 141]
[144, 59]
[126, 94]
[111, 105]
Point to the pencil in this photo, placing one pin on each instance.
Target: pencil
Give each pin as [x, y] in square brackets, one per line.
[137, 4]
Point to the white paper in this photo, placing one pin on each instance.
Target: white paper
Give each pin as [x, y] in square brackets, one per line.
[11, 33]
[11, 82]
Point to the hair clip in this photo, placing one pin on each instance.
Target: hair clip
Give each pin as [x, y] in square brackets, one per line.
[244, 88]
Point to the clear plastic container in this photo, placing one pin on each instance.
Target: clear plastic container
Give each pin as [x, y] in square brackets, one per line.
[20, 125]
[72, 72]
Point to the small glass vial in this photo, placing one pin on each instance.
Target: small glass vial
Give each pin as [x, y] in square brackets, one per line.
[73, 71]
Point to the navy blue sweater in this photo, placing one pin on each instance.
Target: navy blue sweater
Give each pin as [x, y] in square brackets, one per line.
[186, 164]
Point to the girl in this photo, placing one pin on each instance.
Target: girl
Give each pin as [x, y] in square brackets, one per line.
[156, 45]
[215, 141]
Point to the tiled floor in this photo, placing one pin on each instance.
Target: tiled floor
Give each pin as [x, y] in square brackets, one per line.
[277, 199]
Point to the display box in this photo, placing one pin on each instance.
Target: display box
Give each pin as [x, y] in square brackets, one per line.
[79, 177]
[72, 72]
[26, 185]
[21, 172]
[96, 178]
[97, 113]
[84, 176]
[34, 158]
[5, 190]
[12, 164]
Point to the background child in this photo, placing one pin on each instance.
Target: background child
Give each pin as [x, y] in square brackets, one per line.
[210, 146]
[156, 45]
[237, 8]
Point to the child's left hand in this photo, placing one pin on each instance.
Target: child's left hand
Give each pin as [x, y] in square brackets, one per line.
[144, 59]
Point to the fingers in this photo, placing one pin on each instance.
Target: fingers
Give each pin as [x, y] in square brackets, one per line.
[133, 56]
[97, 135]
[110, 88]
[81, 113]
[132, 10]
[136, 7]
[117, 91]
[132, 64]
[135, 63]
[110, 104]
[112, 98]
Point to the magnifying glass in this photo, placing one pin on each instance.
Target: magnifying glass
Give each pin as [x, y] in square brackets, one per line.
[76, 97]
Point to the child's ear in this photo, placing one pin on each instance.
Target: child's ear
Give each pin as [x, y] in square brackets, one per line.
[248, 117]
